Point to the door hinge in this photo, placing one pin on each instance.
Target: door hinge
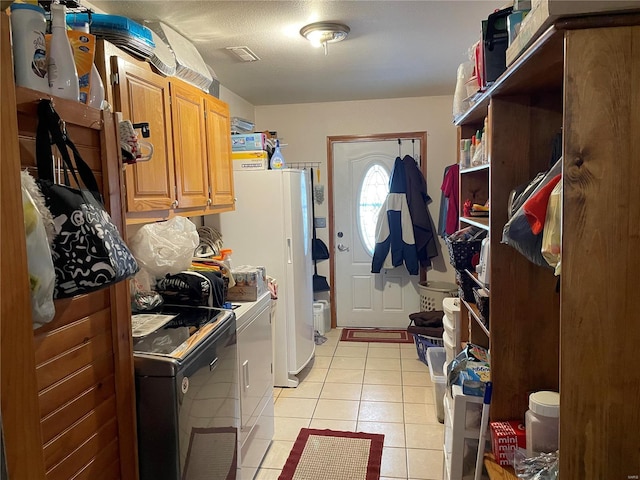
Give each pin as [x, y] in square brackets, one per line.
[115, 79]
[271, 367]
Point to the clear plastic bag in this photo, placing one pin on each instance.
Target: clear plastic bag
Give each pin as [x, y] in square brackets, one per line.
[165, 247]
[42, 276]
[517, 231]
[551, 238]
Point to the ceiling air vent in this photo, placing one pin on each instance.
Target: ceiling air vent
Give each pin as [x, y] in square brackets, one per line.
[244, 53]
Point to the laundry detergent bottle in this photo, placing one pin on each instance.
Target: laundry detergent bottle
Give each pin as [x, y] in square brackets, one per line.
[28, 27]
[277, 160]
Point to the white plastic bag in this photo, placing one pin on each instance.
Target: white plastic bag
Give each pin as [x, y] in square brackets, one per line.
[460, 101]
[42, 277]
[165, 247]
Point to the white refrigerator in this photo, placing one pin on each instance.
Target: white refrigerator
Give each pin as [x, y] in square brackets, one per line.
[271, 226]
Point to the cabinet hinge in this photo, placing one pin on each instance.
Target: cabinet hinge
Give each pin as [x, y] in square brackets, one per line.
[205, 114]
[115, 78]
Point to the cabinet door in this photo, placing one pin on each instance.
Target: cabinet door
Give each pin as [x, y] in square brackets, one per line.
[219, 152]
[143, 96]
[189, 145]
[256, 379]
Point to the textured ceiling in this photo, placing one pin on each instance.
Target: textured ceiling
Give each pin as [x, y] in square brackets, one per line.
[395, 48]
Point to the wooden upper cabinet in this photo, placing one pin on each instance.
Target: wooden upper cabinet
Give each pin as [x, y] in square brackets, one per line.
[191, 172]
[143, 96]
[219, 153]
[189, 145]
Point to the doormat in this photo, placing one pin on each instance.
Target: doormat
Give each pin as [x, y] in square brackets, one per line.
[377, 335]
[334, 455]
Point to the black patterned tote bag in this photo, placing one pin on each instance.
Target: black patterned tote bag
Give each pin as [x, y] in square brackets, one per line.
[88, 252]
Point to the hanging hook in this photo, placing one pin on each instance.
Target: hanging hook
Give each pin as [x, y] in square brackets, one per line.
[399, 147]
[413, 147]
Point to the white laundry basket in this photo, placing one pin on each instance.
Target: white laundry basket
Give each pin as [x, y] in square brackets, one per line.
[433, 293]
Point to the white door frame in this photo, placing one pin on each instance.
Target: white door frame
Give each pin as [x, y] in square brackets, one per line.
[421, 136]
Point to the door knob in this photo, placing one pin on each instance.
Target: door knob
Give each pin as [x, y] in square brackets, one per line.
[343, 248]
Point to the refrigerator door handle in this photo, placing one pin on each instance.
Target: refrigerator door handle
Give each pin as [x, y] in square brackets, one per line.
[245, 374]
[289, 253]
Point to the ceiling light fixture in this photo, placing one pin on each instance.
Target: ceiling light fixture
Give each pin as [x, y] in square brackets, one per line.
[320, 34]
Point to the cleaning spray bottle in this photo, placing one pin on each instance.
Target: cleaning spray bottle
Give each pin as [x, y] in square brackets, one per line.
[277, 160]
[63, 75]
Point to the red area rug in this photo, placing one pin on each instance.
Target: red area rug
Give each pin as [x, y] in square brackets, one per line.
[334, 455]
[381, 335]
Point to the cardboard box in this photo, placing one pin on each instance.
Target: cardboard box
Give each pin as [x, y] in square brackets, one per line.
[253, 160]
[251, 164]
[243, 293]
[544, 12]
[242, 142]
[250, 155]
[507, 437]
[250, 284]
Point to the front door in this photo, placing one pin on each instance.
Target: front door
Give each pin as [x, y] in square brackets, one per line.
[361, 172]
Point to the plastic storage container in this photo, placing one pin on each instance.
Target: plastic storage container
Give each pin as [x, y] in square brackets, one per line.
[451, 324]
[28, 26]
[436, 359]
[463, 414]
[449, 346]
[321, 316]
[541, 422]
[432, 294]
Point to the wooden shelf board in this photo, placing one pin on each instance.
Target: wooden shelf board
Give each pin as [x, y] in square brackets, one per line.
[480, 222]
[474, 277]
[497, 472]
[484, 166]
[539, 68]
[476, 314]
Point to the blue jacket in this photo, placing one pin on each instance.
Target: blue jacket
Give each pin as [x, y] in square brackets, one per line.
[395, 242]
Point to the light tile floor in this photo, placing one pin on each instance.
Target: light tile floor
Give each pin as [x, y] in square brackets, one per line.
[366, 387]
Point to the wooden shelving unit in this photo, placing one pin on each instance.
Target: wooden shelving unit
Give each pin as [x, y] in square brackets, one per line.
[480, 222]
[580, 77]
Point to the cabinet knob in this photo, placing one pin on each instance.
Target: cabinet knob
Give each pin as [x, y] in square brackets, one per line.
[174, 204]
[209, 202]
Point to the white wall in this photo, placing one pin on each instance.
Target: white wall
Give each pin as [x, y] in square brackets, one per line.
[305, 128]
[238, 106]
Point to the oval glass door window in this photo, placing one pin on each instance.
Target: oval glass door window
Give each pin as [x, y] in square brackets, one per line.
[373, 192]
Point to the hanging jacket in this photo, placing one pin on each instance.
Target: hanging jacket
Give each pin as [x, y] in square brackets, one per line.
[395, 242]
[418, 201]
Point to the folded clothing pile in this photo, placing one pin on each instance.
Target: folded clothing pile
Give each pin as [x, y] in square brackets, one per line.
[428, 324]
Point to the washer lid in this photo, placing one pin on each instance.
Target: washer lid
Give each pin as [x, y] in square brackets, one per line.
[186, 328]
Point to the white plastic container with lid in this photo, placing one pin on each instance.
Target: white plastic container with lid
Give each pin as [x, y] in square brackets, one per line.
[28, 26]
[542, 423]
[63, 75]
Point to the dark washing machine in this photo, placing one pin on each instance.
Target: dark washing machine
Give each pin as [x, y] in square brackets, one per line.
[188, 405]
